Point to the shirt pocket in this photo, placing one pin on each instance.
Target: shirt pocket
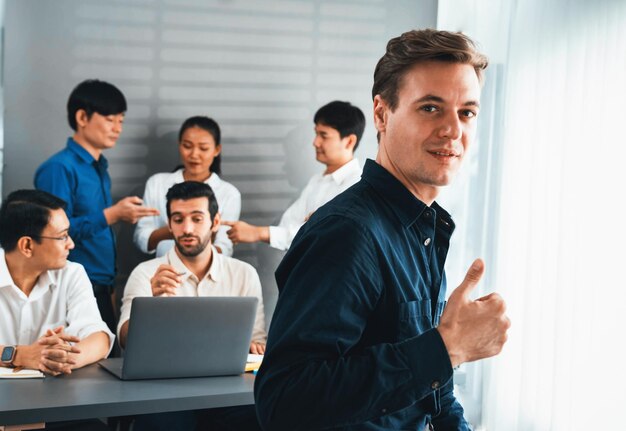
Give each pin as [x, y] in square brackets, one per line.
[414, 318]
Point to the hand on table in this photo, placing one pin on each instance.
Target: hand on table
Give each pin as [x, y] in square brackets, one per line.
[257, 348]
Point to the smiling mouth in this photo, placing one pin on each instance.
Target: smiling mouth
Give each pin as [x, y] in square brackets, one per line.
[444, 154]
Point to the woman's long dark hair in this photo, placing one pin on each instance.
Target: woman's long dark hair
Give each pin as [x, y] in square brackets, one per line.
[211, 126]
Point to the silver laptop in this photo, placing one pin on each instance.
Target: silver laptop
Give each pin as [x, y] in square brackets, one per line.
[186, 337]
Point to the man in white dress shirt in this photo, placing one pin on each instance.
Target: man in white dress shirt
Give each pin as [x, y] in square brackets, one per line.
[338, 130]
[50, 319]
[194, 267]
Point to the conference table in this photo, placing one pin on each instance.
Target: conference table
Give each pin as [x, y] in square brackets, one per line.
[92, 392]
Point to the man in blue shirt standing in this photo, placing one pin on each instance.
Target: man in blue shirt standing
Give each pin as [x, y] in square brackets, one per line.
[361, 338]
[78, 174]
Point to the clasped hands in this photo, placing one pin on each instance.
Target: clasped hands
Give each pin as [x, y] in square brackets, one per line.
[52, 353]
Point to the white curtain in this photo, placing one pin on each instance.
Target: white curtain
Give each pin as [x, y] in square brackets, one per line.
[561, 246]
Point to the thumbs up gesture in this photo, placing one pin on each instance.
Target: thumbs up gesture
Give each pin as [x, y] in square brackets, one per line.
[473, 329]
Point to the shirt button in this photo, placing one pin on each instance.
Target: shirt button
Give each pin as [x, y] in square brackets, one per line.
[384, 410]
[426, 213]
[435, 384]
[427, 241]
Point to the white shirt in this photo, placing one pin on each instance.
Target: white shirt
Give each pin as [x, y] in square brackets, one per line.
[226, 277]
[227, 196]
[319, 190]
[61, 297]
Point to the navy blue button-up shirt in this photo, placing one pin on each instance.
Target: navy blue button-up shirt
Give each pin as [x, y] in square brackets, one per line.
[83, 182]
[352, 343]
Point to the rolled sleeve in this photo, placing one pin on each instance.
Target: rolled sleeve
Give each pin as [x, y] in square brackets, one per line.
[83, 317]
[279, 237]
[290, 222]
[230, 209]
[146, 225]
[138, 285]
[254, 289]
[144, 228]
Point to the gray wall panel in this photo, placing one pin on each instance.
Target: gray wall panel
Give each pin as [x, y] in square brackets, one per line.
[261, 69]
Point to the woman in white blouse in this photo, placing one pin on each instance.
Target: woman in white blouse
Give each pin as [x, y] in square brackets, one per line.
[200, 148]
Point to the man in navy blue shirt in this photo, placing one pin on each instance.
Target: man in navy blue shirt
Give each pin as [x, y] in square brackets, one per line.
[361, 338]
[78, 174]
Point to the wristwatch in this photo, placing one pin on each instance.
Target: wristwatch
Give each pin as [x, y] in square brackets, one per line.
[8, 356]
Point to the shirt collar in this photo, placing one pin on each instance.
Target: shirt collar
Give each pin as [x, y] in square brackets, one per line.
[346, 171]
[214, 181]
[47, 280]
[215, 271]
[405, 204]
[5, 276]
[84, 155]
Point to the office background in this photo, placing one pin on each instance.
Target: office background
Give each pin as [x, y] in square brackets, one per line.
[260, 69]
[540, 197]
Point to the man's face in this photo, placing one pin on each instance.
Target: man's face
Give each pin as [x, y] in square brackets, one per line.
[330, 148]
[424, 141]
[191, 225]
[51, 252]
[101, 132]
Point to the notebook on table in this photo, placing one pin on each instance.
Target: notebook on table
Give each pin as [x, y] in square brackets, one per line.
[171, 337]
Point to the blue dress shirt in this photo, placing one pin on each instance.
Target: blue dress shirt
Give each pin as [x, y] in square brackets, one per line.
[352, 343]
[83, 182]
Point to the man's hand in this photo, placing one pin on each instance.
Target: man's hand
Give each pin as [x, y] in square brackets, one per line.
[57, 356]
[257, 348]
[165, 281]
[241, 231]
[30, 356]
[473, 330]
[130, 210]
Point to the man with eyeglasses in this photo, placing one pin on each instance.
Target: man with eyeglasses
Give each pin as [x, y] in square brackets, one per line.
[50, 319]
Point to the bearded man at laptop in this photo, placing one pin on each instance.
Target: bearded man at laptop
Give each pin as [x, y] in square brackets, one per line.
[195, 268]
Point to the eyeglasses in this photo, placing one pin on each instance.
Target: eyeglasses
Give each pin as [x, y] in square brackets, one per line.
[64, 238]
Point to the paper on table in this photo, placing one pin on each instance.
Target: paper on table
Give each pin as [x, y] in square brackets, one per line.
[254, 358]
[10, 373]
[254, 362]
